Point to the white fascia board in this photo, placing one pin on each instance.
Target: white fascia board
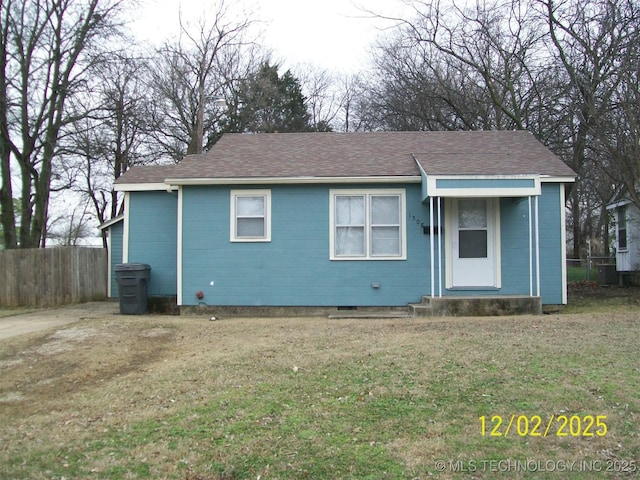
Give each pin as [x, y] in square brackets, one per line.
[291, 180]
[434, 191]
[620, 203]
[113, 221]
[143, 187]
[556, 179]
[422, 172]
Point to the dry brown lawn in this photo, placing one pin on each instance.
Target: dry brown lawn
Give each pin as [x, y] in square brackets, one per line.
[116, 396]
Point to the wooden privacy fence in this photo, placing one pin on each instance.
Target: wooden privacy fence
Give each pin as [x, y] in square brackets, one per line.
[47, 277]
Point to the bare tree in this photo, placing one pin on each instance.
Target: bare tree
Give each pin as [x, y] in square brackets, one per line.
[620, 132]
[45, 51]
[323, 99]
[479, 63]
[193, 77]
[70, 228]
[350, 91]
[565, 70]
[101, 147]
[595, 42]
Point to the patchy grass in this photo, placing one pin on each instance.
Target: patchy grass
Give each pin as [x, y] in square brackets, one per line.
[12, 311]
[589, 297]
[186, 398]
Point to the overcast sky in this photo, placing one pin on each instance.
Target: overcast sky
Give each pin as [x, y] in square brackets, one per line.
[331, 34]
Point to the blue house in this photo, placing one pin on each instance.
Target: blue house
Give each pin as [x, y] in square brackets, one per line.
[352, 221]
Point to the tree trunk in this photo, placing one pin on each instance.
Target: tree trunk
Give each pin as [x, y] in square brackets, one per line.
[7, 207]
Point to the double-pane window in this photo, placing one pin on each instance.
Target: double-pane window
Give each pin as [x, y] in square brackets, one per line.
[367, 225]
[250, 216]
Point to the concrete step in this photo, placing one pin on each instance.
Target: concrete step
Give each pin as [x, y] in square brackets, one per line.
[420, 310]
[455, 306]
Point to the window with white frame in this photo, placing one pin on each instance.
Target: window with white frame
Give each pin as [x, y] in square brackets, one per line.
[622, 228]
[250, 215]
[367, 225]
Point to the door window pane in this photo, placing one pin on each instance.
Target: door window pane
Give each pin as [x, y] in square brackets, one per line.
[472, 213]
[472, 243]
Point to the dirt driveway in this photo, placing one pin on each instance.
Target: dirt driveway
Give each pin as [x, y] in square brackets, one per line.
[29, 322]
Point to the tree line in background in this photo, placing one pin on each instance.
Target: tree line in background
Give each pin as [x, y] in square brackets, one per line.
[80, 106]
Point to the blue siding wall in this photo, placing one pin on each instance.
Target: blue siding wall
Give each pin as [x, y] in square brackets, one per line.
[492, 183]
[514, 242]
[115, 244]
[294, 268]
[551, 244]
[153, 234]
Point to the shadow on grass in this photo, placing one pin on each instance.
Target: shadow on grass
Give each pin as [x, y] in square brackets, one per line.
[586, 296]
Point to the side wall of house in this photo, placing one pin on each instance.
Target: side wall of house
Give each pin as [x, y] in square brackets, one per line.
[153, 235]
[632, 260]
[628, 259]
[551, 244]
[294, 268]
[115, 255]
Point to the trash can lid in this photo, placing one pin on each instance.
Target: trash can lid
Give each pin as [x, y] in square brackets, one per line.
[129, 267]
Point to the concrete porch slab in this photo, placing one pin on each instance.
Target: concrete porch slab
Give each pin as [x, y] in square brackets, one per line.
[479, 306]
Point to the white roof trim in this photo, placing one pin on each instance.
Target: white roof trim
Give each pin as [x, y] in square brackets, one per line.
[113, 221]
[141, 187]
[291, 180]
[172, 183]
[556, 179]
[619, 203]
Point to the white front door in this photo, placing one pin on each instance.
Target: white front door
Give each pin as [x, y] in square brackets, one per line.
[473, 254]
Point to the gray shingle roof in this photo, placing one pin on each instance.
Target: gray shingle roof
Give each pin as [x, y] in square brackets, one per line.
[371, 154]
[146, 174]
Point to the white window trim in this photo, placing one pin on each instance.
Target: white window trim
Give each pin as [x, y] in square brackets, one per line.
[267, 221]
[401, 192]
[622, 209]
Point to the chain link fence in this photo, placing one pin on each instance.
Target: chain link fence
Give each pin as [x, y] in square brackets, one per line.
[597, 269]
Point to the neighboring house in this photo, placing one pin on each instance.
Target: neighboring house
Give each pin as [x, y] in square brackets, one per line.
[350, 220]
[627, 222]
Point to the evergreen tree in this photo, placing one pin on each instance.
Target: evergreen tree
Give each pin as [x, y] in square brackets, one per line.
[268, 103]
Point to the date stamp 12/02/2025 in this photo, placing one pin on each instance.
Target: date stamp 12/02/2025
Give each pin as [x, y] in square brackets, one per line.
[536, 426]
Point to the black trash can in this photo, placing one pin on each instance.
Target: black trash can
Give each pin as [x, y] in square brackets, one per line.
[133, 280]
